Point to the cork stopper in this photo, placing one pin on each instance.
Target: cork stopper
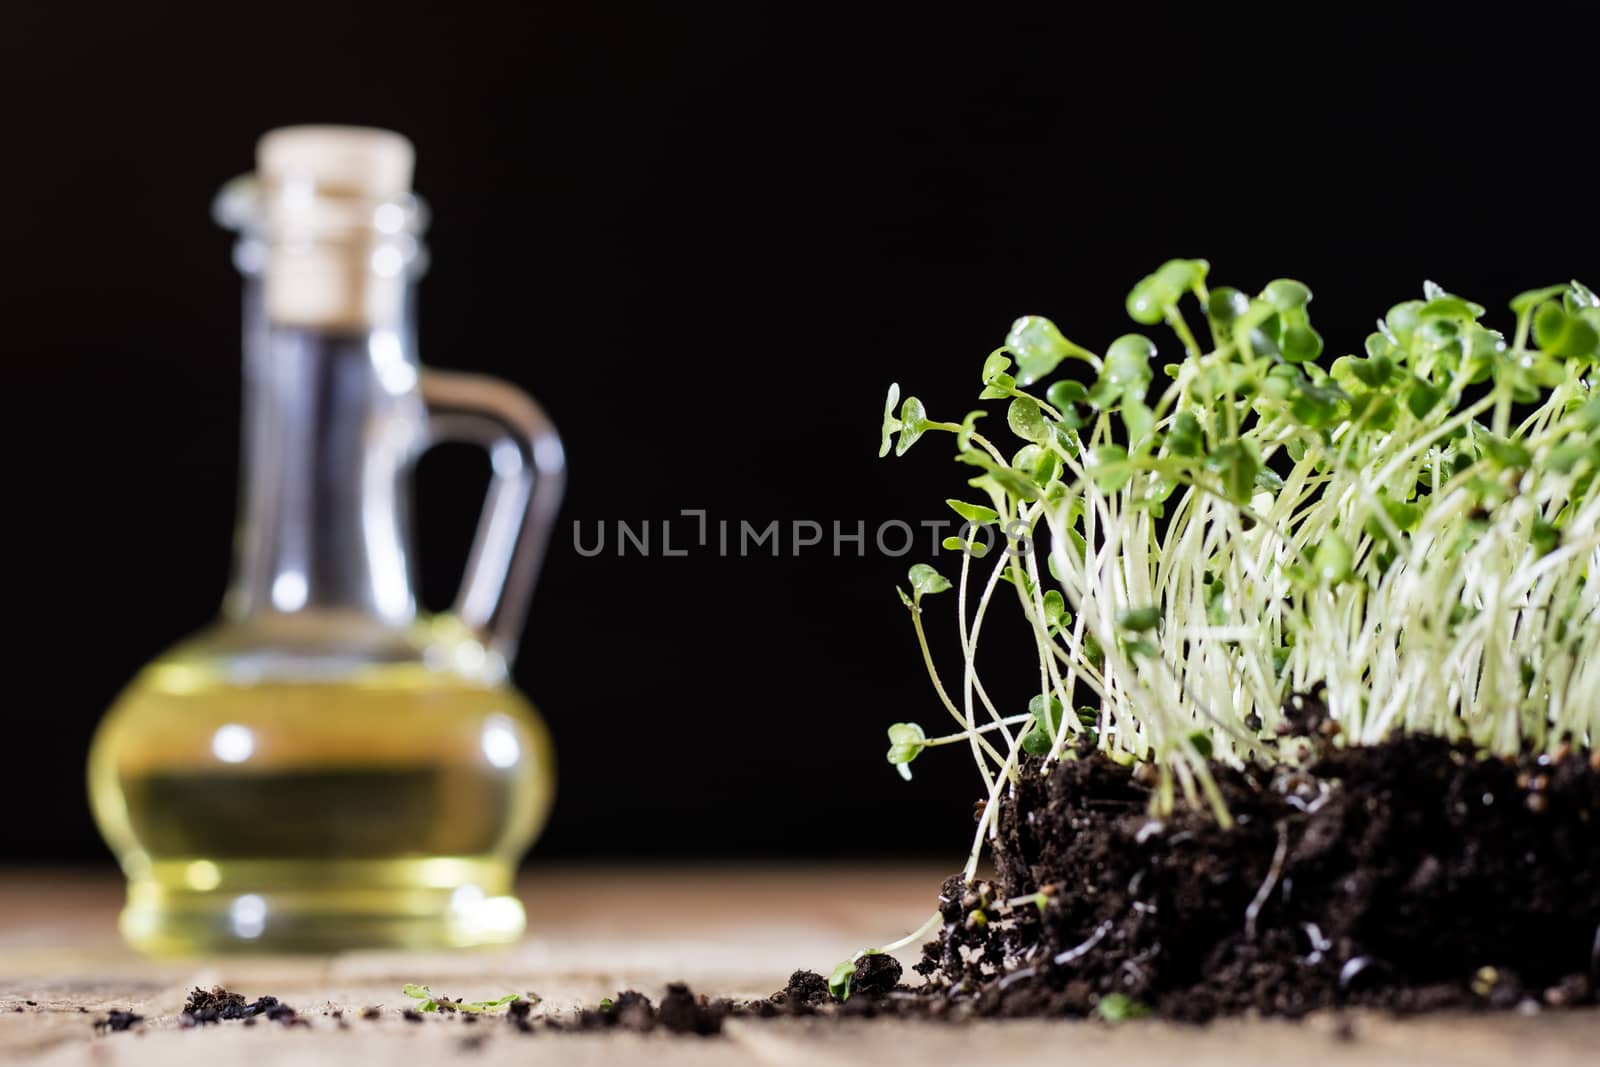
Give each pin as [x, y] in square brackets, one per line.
[335, 260]
[339, 161]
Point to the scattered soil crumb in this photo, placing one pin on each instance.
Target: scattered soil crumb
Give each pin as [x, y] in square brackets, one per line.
[216, 1005]
[117, 1021]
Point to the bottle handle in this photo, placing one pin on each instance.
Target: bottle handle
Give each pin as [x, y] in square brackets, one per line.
[529, 472]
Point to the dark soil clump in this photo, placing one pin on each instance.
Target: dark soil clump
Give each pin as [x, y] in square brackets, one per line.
[877, 974]
[117, 1021]
[681, 1011]
[806, 988]
[1411, 875]
[218, 1005]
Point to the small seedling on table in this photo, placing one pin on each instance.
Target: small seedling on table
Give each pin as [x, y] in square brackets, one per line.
[1202, 535]
[839, 981]
[432, 1003]
[1119, 1007]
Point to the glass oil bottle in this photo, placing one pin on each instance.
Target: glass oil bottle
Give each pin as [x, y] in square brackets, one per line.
[326, 767]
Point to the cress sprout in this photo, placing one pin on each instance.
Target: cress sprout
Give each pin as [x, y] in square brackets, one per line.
[1197, 535]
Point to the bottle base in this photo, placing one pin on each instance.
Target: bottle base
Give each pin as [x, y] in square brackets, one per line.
[201, 906]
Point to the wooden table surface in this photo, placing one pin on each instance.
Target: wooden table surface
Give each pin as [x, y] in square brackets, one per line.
[734, 931]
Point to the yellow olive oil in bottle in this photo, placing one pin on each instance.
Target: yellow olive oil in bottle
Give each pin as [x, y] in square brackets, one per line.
[326, 767]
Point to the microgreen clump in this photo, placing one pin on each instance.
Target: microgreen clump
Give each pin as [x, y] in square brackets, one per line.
[1195, 536]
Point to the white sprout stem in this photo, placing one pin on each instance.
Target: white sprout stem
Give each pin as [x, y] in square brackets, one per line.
[968, 653]
[970, 647]
[951, 739]
[910, 939]
[938, 686]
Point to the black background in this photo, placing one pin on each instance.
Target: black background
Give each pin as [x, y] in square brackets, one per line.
[707, 240]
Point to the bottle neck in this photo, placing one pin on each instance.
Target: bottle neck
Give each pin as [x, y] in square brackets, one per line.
[332, 423]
